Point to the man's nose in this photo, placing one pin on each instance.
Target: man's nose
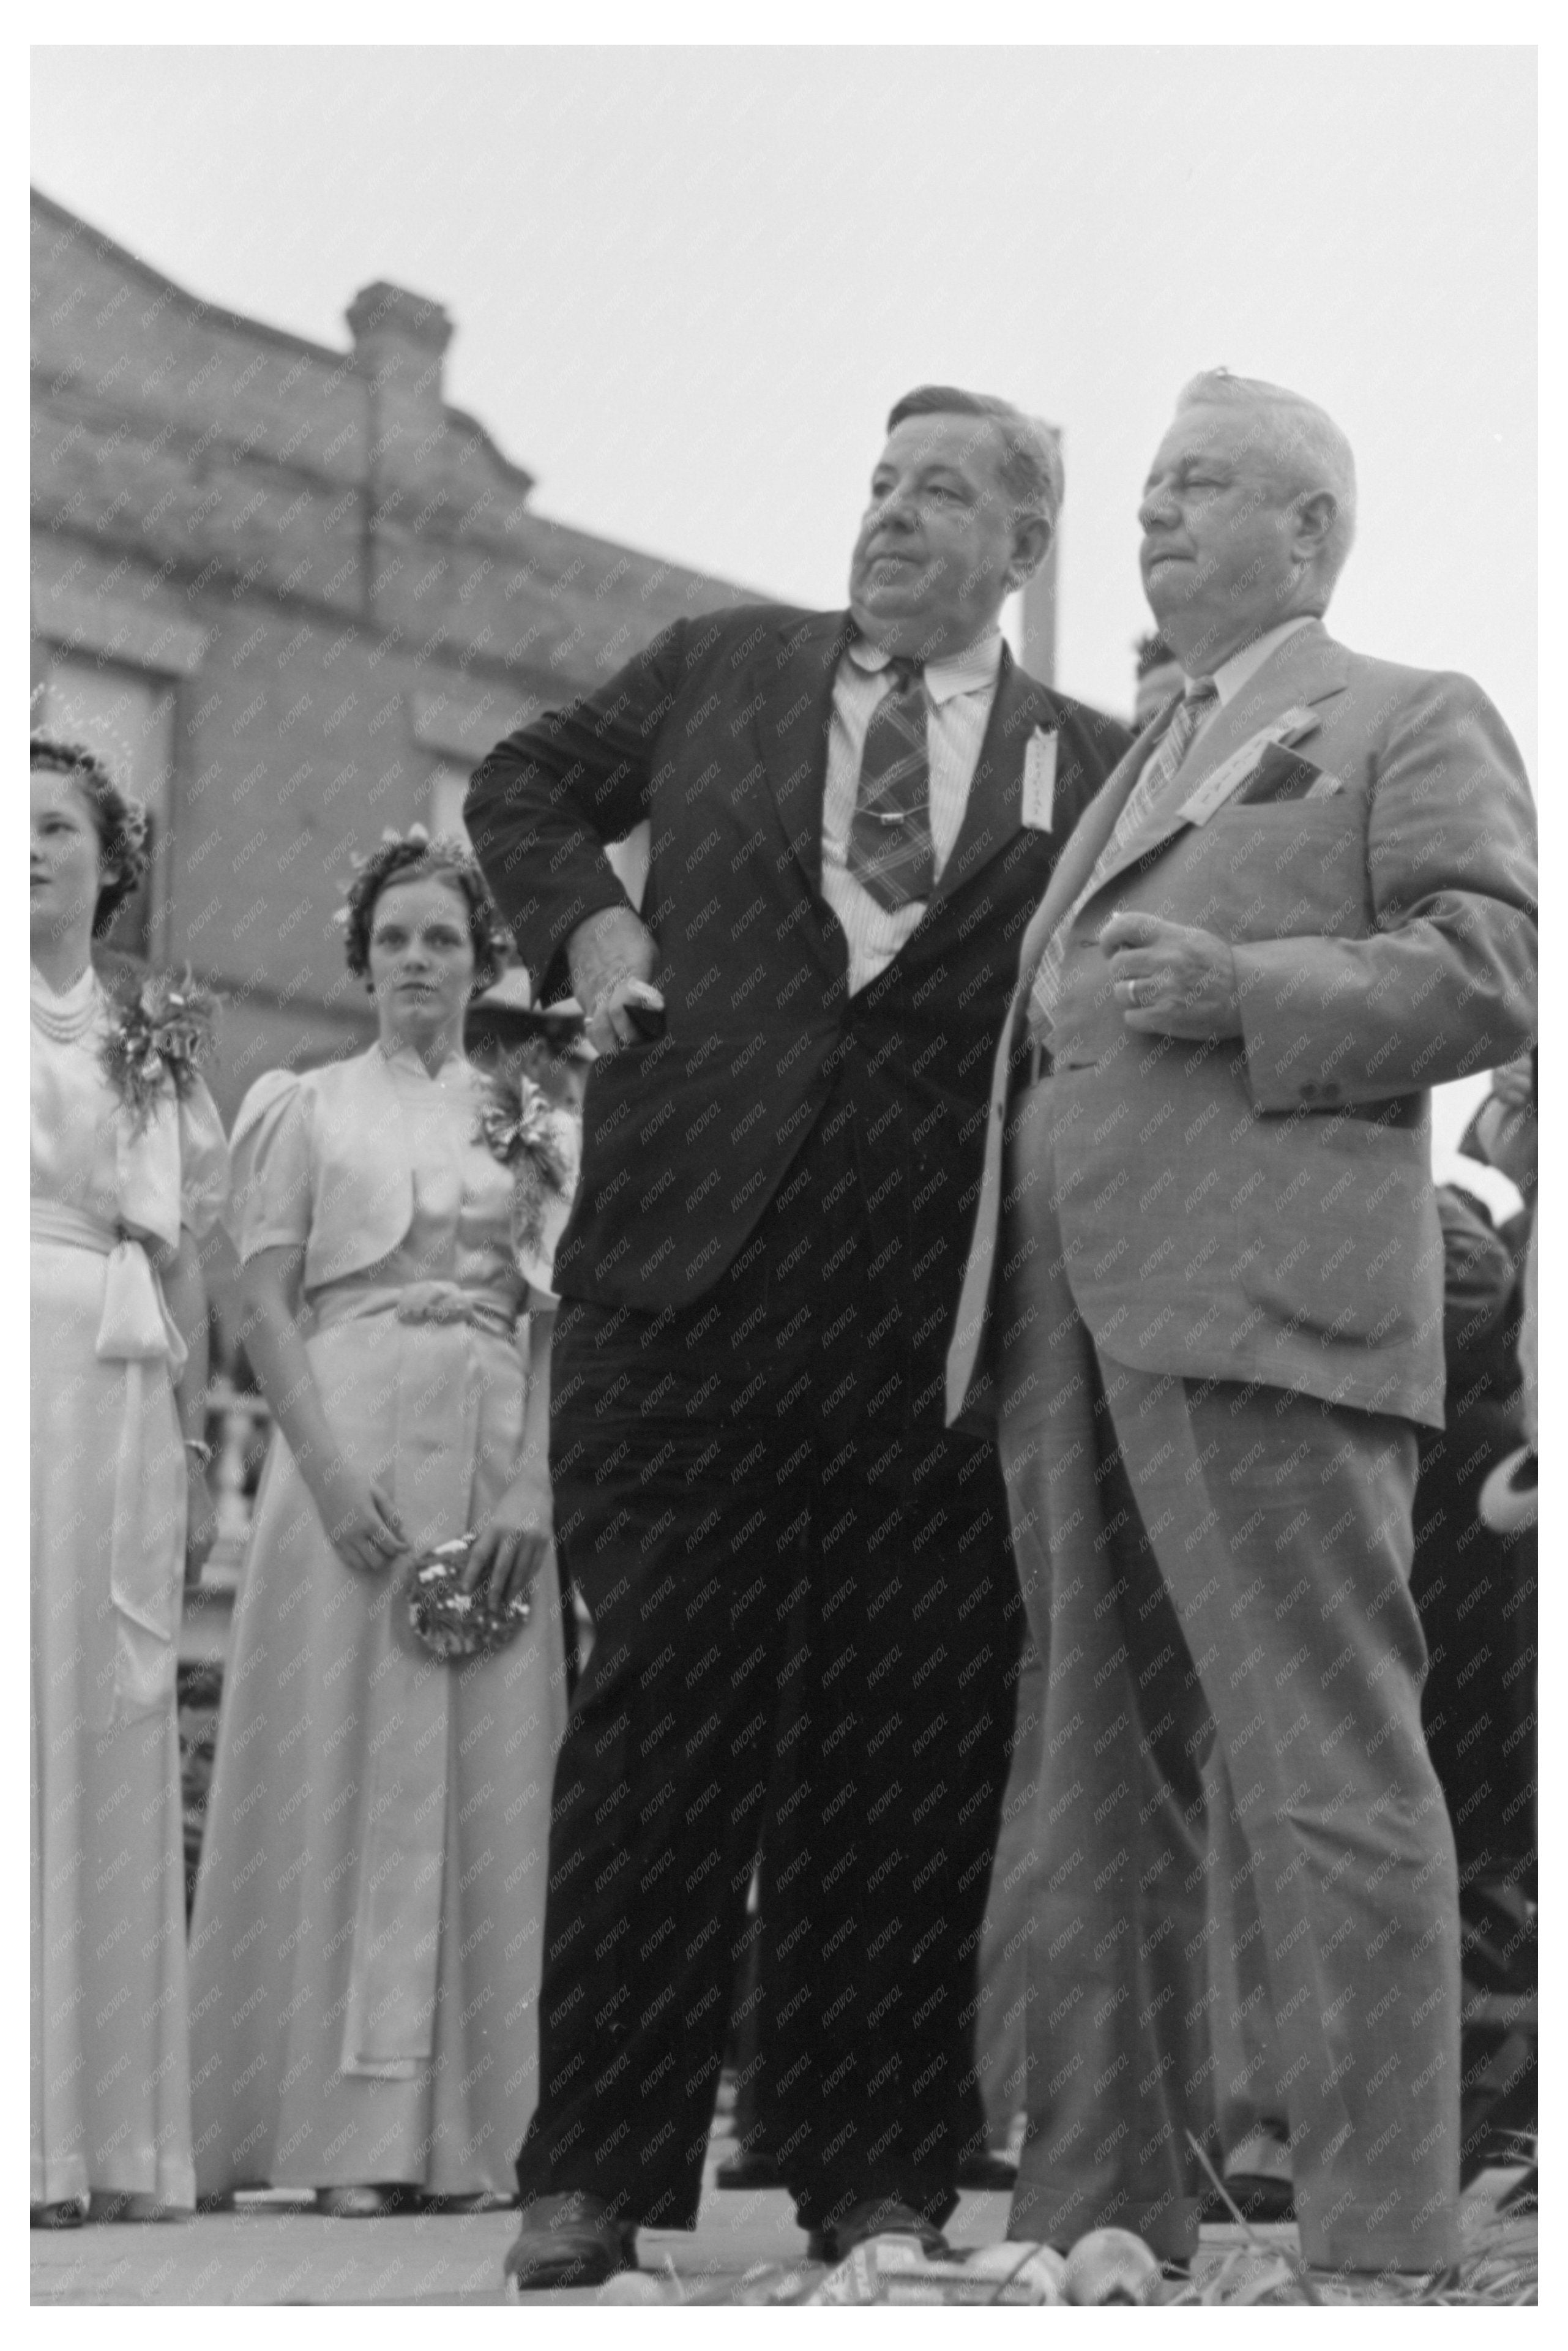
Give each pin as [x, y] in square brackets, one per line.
[1156, 507]
[896, 506]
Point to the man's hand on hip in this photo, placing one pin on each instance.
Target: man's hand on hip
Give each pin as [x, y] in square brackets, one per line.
[613, 957]
[1172, 980]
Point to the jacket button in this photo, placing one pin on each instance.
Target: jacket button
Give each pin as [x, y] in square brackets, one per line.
[1310, 1090]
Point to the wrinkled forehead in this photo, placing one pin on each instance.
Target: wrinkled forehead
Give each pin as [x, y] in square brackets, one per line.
[1234, 436]
[969, 445]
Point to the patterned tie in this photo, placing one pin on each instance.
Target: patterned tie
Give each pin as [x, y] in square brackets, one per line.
[1142, 804]
[890, 851]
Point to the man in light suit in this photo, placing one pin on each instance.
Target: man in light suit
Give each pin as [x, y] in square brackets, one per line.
[1204, 1300]
[802, 1589]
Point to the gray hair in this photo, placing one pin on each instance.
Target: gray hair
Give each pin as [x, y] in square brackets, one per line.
[1031, 464]
[1299, 443]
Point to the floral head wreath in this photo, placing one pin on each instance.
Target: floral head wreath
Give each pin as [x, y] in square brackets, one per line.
[414, 855]
[120, 821]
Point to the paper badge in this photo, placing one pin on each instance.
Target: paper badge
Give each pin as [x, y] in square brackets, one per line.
[1231, 774]
[1040, 778]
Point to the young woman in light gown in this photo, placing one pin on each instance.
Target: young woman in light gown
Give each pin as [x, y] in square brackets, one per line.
[365, 1948]
[122, 1191]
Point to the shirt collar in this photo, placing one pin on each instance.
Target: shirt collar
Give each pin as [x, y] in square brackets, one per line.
[406, 1059]
[969, 672]
[1233, 674]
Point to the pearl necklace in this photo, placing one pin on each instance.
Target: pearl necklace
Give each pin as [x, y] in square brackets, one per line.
[65, 1027]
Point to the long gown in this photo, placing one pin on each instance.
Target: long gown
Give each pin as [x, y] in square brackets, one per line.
[365, 1950]
[110, 2090]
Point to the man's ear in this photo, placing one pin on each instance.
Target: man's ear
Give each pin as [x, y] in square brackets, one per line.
[1031, 543]
[1313, 515]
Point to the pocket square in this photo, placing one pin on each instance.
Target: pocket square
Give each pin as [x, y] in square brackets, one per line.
[1282, 775]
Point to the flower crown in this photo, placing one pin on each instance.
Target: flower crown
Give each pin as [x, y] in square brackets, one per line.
[405, 855]
[133, 826]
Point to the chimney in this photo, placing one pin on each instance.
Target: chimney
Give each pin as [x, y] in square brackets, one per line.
[399, 340]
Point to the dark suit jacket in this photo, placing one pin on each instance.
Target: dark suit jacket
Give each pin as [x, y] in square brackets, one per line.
[717, 734]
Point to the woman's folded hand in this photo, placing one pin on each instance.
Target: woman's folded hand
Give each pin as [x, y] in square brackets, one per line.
[511, 1545]
[361, 1525]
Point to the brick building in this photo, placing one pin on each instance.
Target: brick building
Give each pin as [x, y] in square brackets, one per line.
[293, 596]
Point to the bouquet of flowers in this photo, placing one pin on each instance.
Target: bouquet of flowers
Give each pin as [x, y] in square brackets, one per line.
[451, 1624]
[537, 1140]
[161, 1037]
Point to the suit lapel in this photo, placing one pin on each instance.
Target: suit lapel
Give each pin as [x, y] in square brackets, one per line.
[1308, 668]
[1086, 841]
[791, 730]
[994, 809]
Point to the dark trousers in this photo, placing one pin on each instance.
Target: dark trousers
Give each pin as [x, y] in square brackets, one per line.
[805, 1610]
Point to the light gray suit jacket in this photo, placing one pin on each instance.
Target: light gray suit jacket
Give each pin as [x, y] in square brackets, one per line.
[1261, 1208]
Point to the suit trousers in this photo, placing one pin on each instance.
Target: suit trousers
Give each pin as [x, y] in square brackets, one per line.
[806, 1618]
[1219, 1575]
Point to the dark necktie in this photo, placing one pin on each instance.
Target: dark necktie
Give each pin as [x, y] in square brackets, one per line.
[890, 851]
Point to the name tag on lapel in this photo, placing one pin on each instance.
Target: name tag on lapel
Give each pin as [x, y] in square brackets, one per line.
[1218, 787]
[1040, 779]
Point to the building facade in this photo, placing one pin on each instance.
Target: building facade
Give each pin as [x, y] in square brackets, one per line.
[293, 596]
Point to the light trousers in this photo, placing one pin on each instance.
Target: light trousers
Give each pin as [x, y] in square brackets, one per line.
[1219, 1577]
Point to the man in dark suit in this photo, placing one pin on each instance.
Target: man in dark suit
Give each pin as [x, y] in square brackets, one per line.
[1305, 898]
[803, 1599]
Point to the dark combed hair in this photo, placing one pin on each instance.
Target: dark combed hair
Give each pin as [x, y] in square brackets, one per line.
[419, 860]
[120, 821]
[1031, 466]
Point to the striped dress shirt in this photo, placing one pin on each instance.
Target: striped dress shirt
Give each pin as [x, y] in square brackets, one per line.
[959, 691]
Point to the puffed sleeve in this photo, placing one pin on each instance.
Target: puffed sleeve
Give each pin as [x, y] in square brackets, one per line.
[269, 1198]
[204, 1163]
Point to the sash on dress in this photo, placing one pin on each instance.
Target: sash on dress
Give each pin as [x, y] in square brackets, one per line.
[389, 2025]
[135, 1330]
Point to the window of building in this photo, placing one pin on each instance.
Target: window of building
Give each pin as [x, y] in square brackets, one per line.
[127, 717]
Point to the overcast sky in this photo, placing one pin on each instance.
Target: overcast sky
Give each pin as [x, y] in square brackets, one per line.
[688, 283]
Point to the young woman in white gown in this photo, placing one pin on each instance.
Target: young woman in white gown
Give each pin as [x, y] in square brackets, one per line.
[365, 1948]
[127, 1174]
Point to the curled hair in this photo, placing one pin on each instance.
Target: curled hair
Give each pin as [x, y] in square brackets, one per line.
[415, 857]
[119, 820]
[1299, 444]
[1029, 467]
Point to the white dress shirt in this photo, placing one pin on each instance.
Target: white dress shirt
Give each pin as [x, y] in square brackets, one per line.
[959, 691]
[1233, 674]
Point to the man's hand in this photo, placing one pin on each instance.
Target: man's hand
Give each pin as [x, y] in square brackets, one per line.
[1172, 980]
[612, 958]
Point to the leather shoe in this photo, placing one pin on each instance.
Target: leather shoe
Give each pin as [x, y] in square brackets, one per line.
[988, 2169]
[69, 2213]
[749, 2167]
[876, 2216]
[570, 2240]
[1257, 2196]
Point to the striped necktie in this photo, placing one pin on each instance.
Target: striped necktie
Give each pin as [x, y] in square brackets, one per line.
[1143, 804]
[889, 850]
